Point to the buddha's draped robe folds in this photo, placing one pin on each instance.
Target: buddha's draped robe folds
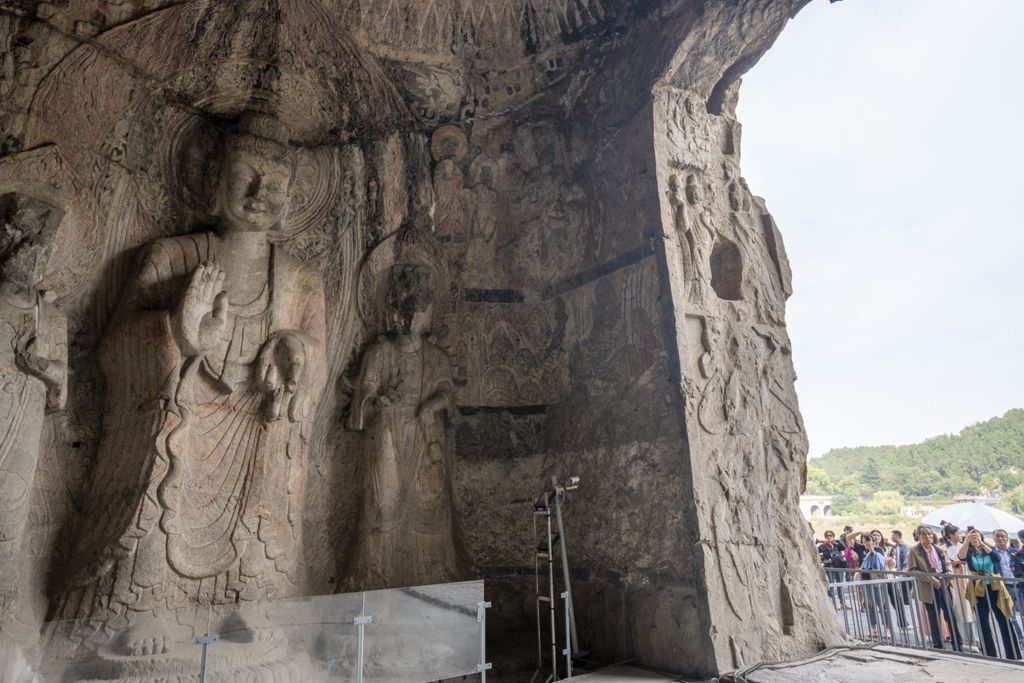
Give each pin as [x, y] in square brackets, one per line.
[24, 399]
[197, 495]
[405, 536]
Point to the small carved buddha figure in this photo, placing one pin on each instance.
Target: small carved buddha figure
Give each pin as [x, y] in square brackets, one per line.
[694, 226]
[404, 400]
[452, 200]
[212, 365]
[33, 366]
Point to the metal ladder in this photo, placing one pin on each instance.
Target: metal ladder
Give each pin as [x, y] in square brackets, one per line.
[548, 510]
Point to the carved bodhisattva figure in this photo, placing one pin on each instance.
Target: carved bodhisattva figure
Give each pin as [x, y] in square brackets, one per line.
[404, 400]
[213, 365]
[33, 367]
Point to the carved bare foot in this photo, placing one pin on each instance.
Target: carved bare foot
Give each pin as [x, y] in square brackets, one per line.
[147, 638]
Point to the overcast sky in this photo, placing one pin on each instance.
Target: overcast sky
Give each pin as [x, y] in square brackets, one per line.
[887, 137]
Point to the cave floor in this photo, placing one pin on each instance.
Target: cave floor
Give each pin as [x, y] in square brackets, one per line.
[885, 665]
[625, 674]
[874, 665]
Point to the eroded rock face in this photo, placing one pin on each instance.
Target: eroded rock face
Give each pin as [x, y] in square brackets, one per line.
[510, 240]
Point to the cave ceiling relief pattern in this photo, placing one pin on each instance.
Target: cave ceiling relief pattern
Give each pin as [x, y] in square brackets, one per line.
[484, 125]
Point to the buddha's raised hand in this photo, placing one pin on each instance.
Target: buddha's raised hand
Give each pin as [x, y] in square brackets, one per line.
[202, 311]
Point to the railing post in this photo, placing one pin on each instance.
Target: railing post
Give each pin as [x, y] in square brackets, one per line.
[964, 628]
[481, 617]
[567, 651]
[361, 621]
[915, 610]
[205, 641]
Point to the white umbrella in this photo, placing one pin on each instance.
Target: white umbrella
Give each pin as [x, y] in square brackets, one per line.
[982, 517]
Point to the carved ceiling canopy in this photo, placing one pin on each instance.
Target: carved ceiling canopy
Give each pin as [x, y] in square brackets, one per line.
[220, 58]
[505, 30]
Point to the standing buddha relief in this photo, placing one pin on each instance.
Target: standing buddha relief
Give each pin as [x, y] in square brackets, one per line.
[404, 404]
[697, 234]
[213, 365]
[448, 146]
[33, 368]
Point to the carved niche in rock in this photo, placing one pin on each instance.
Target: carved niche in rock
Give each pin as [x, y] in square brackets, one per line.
[727, 270]
[212, 363]
[404, 402]
[33, 368]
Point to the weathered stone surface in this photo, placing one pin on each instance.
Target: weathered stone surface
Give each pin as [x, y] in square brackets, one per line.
[404, 402]
[606, 299]
[33, 371]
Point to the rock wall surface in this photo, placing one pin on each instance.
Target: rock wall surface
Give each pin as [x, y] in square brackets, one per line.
[607, 291]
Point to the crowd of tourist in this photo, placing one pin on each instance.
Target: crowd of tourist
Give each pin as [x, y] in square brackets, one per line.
[969, 588]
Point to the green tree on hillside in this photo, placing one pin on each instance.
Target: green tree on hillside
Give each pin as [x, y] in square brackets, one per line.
[885, 503]
[989, 454]
[870, 474]
[818, 481]
[1016, 500]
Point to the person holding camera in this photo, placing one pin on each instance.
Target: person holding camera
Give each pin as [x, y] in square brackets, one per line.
[989, 595]
[952, 541]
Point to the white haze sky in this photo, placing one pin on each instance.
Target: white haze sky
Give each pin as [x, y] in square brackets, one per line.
[887, 137]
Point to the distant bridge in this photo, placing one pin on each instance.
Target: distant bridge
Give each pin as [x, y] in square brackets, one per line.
[816, 506]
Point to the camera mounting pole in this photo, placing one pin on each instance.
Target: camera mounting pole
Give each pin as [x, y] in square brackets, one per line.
[548, 507]
[571, 484]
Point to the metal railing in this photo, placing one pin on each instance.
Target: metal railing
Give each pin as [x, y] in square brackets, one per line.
[967, 613]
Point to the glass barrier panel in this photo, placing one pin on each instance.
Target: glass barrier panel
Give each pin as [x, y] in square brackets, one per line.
[425, 633]
[412, 635]
[299, 639]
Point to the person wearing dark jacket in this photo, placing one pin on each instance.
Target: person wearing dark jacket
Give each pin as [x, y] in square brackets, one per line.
[831, 555]
[925, 558]
[1017, 567]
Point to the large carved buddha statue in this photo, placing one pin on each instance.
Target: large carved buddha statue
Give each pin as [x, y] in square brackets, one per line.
[213, 364]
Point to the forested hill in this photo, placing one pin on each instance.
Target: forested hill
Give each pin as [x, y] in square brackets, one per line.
[989, 454]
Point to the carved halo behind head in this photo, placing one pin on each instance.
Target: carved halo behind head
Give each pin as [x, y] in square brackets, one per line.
[195, 146]
[448, 142]
[408, 246]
